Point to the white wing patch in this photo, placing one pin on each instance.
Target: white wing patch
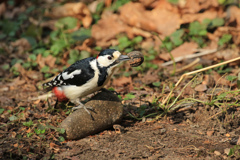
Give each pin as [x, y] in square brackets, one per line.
[66, 76]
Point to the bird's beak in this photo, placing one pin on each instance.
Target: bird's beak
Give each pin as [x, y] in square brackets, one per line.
[123, 58]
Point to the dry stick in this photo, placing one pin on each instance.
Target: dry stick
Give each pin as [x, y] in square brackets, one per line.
[206, 52]
[199, 70]
[189, 65]
[45, 96]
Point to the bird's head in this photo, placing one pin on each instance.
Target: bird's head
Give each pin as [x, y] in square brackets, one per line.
[110, 58]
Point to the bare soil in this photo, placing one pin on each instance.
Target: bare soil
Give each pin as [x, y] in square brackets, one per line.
[198, 132]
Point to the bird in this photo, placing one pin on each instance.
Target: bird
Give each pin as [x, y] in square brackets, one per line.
[84, 77]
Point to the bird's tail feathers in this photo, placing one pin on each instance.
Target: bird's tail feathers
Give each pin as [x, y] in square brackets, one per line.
[47, 86]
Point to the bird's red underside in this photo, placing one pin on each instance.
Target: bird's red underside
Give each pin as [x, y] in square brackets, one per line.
[59, 94]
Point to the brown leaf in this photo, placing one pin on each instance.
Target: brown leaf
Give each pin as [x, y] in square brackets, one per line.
[210, 133]
[2, 8]
[15, 145]
[188, 91]
[201, 88]
[235, 32]
[20, 69]
[43, 61]
[78, 10]
[208, 80]
[86, 45]
[108, 3]
[150, 77]
[150, 20]
[219, 79]
[122, 81]
[150, 3]
[52, 145]
[234, 15]
[194, 6]
[29, 130]
[107, 28]
[21, 44]
[13, 134]
[34, 75]
[209, 14]
[183, 50]
[227, 54]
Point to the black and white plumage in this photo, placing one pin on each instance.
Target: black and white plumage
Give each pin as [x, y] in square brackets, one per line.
[85, 77]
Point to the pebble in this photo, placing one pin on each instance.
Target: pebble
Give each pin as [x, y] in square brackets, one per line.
[226, 151]
[217, 153]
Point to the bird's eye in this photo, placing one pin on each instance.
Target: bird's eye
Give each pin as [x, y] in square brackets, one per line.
[109, 57]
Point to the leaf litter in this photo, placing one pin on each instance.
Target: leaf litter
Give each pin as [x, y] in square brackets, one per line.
[206, 115]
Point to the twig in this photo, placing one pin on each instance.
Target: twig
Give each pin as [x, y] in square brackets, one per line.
[177, 59]
[189, 65]
[42, 97]
[193, 72]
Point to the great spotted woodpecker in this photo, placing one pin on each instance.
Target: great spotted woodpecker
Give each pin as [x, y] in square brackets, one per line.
[85, 76]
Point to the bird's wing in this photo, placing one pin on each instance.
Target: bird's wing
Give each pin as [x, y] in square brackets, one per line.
[77, 74]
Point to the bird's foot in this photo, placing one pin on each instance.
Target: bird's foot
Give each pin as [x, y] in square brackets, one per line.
[84, 107]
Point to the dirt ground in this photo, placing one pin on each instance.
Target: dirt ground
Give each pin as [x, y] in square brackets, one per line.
[197, 132]
[175, 138]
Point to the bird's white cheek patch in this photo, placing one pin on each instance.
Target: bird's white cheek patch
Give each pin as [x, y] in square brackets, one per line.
[65, 75]
[116, 54]
[103, 61]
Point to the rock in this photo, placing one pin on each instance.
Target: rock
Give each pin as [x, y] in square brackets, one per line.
[107, 110]
[201, 87]
[217, 153]
[163, 130]
[226, 151]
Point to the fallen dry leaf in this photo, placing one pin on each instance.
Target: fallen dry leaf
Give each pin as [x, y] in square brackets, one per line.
[235, 32]
[210, 133]
[22, 71]
[233, 13]
[219, 79]
[208, 80]
[227, 54]
[183, 50]
[188, 91]
[107, 28]
[149, 3]
[52, 145]
[122, 81]
[108, 3]
[150, 77]
[2, 8]
[78, 10]
[201, 87]
[209, 14]
[150, 20]
[15, 145]
[86, 45]
[194, 6]
[46, 61]
[21, 44]
[34, 75]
